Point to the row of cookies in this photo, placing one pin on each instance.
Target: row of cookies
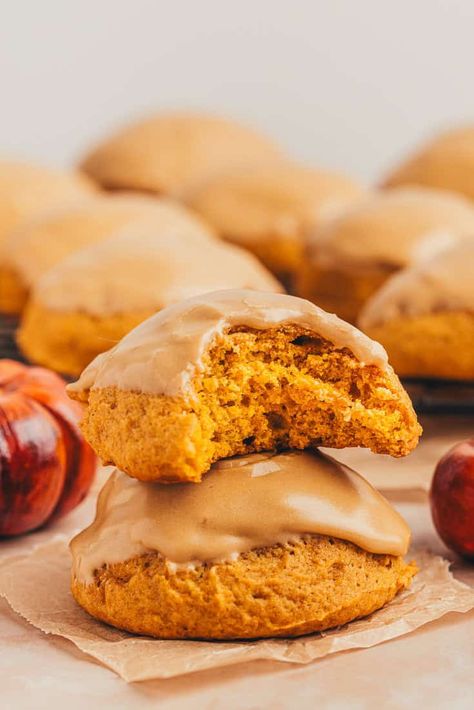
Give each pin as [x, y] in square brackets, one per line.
[319, 233]
[82, 272]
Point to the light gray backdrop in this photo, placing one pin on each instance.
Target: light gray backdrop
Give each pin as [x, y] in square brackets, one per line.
[347, 84]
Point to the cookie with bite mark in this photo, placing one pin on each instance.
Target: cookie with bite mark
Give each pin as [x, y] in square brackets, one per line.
[235, 372]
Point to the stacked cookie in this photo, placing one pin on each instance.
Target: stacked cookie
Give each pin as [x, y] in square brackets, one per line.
[206, 531]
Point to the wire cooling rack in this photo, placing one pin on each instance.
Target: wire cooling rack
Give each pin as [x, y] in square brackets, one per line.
[441, 396]
[8, 346]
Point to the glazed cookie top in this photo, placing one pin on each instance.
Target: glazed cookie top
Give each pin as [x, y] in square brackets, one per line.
[274, 199]
[393, 228]
[146, 272]
[29, 190]
[446, 161]
[162, 354]
[242, 504]
[443, 283]
[40, 244]
[172, 152]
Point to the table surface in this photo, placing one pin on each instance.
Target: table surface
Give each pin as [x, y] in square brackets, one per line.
[431, 667]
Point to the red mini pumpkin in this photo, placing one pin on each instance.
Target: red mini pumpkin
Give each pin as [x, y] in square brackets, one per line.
[46, 467]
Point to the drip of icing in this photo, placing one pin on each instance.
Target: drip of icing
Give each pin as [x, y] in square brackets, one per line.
[242, 504]
[162, 354]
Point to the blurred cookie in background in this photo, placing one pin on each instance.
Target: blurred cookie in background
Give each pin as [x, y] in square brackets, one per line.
[352, 255]
[90, 300]
[40, 244]
[447, 161]
[169, 153]
[28, 190]
[269, 208]
[424, 316]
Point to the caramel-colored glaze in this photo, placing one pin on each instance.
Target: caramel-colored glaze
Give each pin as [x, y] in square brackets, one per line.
[444, 283]
[272, 200]
[143, 270]
[391, 229]
[162, 354]
[28, 191]
[242, 504]
[46, 242]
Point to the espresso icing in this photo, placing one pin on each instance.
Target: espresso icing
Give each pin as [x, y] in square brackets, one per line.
[242, 504]
[443, 283]
[392, 229]
[163, 353]
[147, 272]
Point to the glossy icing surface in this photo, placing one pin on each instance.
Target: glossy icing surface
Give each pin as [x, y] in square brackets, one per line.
[163, 353]
[393, 228]
[443, 283]
[242, 504]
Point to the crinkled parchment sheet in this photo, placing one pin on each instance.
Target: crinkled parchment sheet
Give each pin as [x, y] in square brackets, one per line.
[36, 586]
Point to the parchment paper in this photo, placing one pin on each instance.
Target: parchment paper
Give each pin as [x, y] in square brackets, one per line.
[36, 585]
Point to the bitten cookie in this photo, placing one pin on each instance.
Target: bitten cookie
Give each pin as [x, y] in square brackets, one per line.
[232, 372]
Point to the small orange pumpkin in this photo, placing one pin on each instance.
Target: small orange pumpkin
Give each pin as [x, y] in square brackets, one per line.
[46, 467]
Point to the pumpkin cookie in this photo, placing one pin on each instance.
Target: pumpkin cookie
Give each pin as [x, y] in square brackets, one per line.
[424, 316]
[41, 244]
[171, 152]
[233, 372]
[265, 546]
[27, 192]
[446, 162]
[353, 254]
[269, 208]
[96, 296]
